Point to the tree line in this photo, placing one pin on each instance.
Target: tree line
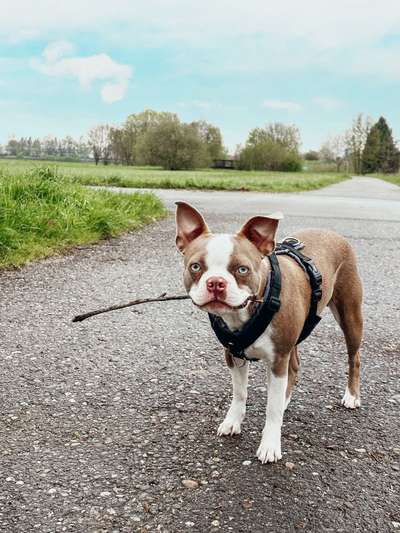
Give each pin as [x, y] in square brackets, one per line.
[162, 139]
[48, 147]
[159, 139]
[367, 147]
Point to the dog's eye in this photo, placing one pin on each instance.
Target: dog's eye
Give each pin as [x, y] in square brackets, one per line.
[195, 267]
[243, 270]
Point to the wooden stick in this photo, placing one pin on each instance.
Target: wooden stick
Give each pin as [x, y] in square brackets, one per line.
[161, 298]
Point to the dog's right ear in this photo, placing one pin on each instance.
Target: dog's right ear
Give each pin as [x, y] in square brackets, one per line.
[189, 225]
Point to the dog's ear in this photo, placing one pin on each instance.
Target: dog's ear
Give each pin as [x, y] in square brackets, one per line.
[189, 225]
[261, 231]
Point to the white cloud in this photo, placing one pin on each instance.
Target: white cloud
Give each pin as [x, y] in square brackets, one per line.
[86, 70]
[56, 50]
[283, 105]
[112, 92]
[344, 23]
[349, 36]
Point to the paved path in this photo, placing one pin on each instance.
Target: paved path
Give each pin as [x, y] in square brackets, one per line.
[358, 199]
[101, 421]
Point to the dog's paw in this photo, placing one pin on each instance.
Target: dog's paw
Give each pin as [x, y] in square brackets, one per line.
[230, 426]
[349, 401]
[269, 450]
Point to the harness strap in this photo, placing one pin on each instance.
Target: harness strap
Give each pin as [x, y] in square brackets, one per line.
[290, 248]
[237, 341]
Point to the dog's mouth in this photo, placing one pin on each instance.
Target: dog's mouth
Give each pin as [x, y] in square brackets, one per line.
[221, 305]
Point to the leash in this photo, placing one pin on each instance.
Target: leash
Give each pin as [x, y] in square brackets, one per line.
[238, 340]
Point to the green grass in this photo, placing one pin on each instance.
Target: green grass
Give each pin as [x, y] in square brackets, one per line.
[392, 178]
[208, 179]
[42, 214]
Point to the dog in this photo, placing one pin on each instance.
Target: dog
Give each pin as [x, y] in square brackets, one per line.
[225, 274]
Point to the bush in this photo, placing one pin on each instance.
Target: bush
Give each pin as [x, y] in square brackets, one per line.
[275, 147]
[311, 155]
[269, 156]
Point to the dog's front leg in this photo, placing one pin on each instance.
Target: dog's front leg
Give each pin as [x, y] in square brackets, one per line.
[237, 410]
[269, 450]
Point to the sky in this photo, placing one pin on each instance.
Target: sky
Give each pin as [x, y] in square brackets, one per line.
[66, 66]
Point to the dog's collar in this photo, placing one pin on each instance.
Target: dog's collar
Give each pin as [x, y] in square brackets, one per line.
[237, 341]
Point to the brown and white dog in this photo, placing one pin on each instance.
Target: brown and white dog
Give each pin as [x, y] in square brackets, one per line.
[224, 273]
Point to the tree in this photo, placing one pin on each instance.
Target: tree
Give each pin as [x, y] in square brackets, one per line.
[287, 136]
[12, 147]
[212, 139]
[122, 145]
[99, 142]
[355, 139]
[371, 152]
[334, 151]
[172, 145]
[387, 154]
[275, 147]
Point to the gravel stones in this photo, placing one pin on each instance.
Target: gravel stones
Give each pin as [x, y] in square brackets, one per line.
[134, 431]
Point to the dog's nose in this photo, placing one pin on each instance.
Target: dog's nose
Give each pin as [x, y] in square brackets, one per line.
[216, 285]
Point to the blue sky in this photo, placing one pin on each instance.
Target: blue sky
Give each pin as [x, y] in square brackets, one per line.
[65, 67]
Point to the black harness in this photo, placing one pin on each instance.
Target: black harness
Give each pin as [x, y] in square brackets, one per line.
[237, 341]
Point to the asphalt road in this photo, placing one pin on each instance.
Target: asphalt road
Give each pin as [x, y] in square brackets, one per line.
[102, 421]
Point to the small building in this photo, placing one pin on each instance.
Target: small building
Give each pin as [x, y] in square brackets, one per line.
[223, 163]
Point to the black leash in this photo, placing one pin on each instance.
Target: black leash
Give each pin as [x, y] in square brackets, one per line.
[237, 341]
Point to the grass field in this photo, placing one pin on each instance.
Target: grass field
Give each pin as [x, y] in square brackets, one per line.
[150, 177]
[41, 214]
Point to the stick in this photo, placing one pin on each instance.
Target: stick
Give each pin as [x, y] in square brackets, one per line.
[161, 298]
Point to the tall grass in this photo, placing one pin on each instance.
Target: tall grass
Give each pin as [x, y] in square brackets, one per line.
[42, 213]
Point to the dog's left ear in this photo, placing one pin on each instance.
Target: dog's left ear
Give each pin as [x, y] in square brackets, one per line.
[189, 225]
[261, 231]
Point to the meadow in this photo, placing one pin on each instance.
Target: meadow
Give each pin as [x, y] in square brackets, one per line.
[42, 213]
[154, 178]
[45, 208]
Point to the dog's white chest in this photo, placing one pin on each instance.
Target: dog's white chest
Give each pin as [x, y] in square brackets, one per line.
[263, 347]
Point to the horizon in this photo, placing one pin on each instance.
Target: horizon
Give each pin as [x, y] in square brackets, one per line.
[65, 70]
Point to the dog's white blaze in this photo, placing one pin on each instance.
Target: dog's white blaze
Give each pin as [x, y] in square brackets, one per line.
[218, 255]
[219, 251]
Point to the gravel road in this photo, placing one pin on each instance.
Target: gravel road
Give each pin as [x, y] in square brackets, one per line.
[103, 421]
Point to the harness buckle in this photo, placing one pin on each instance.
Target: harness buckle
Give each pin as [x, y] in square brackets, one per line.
[317, 294]
[293, 243]
[274, 303]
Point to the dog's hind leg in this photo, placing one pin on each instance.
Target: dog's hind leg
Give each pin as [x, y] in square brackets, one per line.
[294, 365]
[237, 410]
[346, 308]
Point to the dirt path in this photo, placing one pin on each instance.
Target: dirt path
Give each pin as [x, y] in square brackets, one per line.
[101, 421]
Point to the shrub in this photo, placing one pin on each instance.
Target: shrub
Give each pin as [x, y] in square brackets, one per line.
[311, 155]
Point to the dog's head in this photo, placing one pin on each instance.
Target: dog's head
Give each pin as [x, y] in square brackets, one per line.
[223, 272]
